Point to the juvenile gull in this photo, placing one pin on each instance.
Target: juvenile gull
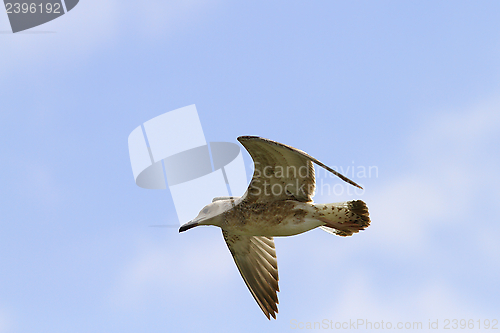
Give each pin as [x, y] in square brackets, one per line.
[278, 202]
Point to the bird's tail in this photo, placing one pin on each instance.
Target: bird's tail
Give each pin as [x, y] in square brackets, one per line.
[344, 218]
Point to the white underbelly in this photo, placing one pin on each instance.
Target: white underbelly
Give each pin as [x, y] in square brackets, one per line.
[290, 228]
[287, 227]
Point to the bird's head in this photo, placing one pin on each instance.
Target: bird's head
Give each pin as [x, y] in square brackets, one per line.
[211, 214]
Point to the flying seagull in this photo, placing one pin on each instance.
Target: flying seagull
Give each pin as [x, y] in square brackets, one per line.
[278, 202]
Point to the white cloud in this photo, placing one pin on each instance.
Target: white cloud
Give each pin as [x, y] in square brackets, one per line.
[92, 28]
[435, 299]
[452, 168]
[84, 30]
[6, 321]
[451, 158]
[163, 269]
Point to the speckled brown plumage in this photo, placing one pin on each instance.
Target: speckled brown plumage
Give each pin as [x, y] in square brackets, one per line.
[278, 202]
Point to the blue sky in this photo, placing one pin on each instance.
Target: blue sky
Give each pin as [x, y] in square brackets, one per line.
[412, 88]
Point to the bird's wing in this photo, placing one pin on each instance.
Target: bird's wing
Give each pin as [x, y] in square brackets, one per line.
[255, 258]
[281, 172]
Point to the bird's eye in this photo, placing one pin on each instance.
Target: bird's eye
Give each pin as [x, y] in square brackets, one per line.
[205, 210]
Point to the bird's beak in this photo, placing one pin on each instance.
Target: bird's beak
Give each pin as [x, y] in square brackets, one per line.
[189, 225]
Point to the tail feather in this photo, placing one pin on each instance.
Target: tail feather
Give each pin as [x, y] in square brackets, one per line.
[345, 218]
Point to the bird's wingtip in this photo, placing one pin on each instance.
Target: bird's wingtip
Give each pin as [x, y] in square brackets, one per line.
[247, 137]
